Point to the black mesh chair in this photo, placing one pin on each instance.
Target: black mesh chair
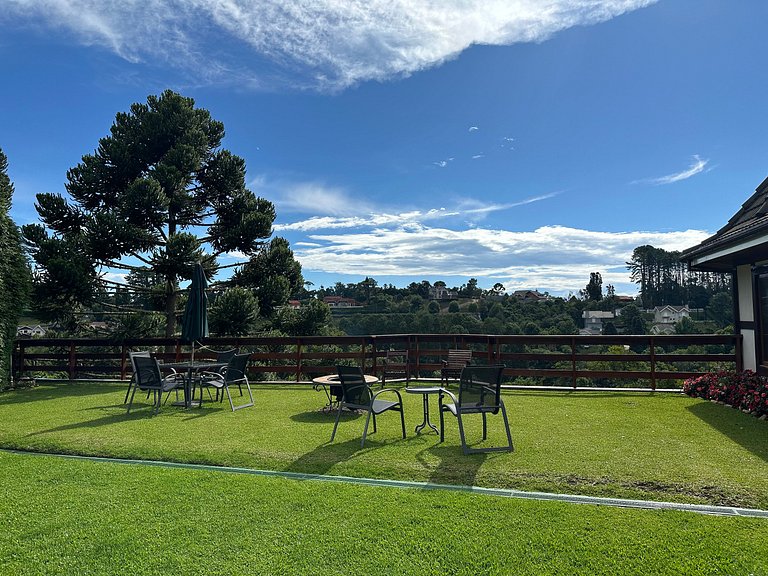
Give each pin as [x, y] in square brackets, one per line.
[233, 374]
[132, 381]
[479, 393]
[149, 379]
[357, 395]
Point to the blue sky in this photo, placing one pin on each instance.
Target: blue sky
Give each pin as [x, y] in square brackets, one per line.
[524, 142]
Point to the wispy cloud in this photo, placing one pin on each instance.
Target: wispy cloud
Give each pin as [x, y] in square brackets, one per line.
[323, 44]
[697, 167]
[554, 258]
[382, 217]
[478, 156]
[473, 128]
[443, 163]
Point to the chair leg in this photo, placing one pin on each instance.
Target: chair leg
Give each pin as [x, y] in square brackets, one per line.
[365, 430]
[506, 426]
[464, 446]
[442, 420]
[485, 427]
[231, 404]
[338, 415]
[402, 419]
[127, 392]
[131, 402]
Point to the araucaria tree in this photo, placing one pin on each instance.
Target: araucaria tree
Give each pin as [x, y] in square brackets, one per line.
[14, 275]
[157, 195]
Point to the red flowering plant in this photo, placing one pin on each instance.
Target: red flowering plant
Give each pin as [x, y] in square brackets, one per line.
[744, 390]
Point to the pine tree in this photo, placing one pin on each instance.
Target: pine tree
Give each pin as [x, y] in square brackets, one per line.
[14, 275]
[157, 196]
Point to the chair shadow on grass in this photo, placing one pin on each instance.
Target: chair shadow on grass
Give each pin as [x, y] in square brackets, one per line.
[324, 416]
[328, 454]
[743, 429]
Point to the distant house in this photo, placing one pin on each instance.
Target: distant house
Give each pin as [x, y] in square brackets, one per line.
[442, 293]
[669, 314]
[529, 295]
[665, 318]
[293, 304]
[31, 331]
[340, 302]
[740, 248]
[594, 320]
[624, 299]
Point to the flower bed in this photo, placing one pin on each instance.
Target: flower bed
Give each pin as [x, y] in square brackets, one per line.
[743, 390]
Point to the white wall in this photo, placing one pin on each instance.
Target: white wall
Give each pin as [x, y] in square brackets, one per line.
[747, 314]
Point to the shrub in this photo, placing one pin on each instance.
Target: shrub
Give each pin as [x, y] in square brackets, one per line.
[743, 390]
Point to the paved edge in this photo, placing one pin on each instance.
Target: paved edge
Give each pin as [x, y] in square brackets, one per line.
[502, 492]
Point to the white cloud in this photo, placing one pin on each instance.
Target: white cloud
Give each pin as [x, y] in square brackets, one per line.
[477, 156]
[325, 44]
[443, 163]
[382, 217]
[697, 167]
[553, 258]
[473, 128]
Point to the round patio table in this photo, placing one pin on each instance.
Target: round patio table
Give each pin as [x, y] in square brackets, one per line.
[425, 391]
[331, 386]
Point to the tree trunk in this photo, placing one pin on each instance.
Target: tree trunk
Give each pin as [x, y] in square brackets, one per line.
[170, 306]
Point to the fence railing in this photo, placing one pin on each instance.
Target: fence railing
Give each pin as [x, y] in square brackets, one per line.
[545, 360]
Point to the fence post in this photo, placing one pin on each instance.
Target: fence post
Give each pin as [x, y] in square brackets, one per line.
[653, 364]
[738, 350]
[17, 361]
[573, 362]
[415, 343]
[298, 360]
[123, 350]
[72, 359]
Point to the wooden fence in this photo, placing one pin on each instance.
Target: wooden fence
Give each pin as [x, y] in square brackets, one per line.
[530, 360]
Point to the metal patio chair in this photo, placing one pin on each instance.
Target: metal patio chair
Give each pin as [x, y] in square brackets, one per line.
[358, 395]
[479, 393]
[233, 374]
[149, 379]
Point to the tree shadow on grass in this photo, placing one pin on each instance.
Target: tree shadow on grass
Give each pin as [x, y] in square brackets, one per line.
[747, 431]
[56, 392]
[120, 416]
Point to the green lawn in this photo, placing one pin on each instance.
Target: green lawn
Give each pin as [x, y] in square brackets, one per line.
[646, 446]
[66, 516]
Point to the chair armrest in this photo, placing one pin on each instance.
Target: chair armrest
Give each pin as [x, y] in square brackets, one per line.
[444, 391]
[445, 363]
[210, 376]
[375, 394]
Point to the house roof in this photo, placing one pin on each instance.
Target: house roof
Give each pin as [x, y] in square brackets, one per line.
[741, 241]
[596, 314]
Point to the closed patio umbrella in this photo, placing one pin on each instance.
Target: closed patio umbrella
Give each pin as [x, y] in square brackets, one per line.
[195, 319]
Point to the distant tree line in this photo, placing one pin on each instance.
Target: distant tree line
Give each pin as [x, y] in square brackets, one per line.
[663, 279]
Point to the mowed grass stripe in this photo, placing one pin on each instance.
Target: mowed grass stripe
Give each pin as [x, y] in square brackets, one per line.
[73, 516]
[382, 483]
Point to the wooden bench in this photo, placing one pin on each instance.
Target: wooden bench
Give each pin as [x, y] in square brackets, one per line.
[454, 364]
[396, 364]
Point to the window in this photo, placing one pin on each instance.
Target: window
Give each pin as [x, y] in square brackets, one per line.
[761, 314]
